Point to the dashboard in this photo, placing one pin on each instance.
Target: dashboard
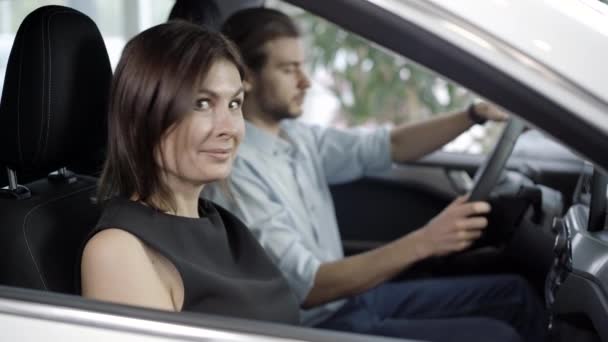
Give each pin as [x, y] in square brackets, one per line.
[577, 284]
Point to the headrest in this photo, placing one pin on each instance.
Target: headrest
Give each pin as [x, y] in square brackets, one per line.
[54, 101]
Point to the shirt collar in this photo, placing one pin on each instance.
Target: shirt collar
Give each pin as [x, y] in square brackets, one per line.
[266, 142]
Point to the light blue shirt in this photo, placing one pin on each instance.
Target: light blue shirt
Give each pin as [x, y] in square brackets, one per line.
[280, 189]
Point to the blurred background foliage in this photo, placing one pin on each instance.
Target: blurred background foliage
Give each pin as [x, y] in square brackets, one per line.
[375, 86]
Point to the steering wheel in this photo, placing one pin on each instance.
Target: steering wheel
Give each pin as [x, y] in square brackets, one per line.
[487, 175]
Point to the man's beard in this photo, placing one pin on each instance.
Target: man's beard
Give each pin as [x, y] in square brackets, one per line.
[279, 111]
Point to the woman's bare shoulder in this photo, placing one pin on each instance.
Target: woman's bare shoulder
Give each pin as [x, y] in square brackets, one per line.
[111, 244]
[117, 268]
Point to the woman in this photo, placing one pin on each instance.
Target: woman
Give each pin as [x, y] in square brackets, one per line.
[175, 123]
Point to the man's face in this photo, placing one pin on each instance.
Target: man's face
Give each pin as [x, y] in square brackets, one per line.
[281, 83]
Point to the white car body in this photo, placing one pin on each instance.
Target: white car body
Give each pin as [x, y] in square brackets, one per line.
[557, 47]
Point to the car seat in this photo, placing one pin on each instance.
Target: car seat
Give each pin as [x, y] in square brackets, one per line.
[53, 116]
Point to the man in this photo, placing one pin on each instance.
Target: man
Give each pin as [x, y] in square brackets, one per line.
[279, 187]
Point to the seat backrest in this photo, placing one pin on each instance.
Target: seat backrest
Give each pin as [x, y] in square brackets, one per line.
[201, 12]
[229, 7]
[53, 116]
[210, 13]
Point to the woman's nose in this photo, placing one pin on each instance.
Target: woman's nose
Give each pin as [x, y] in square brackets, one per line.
[227, 122]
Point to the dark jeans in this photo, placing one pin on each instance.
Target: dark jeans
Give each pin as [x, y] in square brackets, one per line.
[484, 308]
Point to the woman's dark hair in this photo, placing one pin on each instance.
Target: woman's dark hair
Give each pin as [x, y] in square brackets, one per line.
[153, 88]
[251, 28]
[205, 13]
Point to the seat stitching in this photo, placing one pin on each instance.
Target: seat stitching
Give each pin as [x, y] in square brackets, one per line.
[19, 149]
[41, 145]
[42, 148]
[25, 219]
[48, 121]
[43, 92]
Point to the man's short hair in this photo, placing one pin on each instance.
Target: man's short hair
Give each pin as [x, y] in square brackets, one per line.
[252, 28]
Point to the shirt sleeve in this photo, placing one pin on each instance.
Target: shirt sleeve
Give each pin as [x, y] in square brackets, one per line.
[269, 222]
[347, 155]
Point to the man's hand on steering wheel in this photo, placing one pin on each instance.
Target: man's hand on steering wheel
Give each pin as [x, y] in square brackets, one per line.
[454, 229]
[483, 111]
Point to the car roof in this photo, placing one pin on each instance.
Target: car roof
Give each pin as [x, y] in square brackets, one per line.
[567, 36]
[557, 47]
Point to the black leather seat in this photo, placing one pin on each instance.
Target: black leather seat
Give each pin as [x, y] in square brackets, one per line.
[52, 116]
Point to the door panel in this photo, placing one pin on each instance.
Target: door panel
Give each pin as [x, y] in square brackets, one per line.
[378, 209]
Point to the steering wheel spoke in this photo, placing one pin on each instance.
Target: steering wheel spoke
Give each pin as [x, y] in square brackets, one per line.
[489, 172]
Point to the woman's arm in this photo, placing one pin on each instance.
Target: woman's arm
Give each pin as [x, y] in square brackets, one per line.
[115, 267]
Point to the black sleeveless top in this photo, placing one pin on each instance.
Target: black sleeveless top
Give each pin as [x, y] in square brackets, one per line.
[224, 269]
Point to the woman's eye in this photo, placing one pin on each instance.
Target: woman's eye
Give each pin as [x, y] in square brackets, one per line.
[202, 104]
[235, 104]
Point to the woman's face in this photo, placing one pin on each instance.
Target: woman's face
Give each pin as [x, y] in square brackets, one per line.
[201, 148]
